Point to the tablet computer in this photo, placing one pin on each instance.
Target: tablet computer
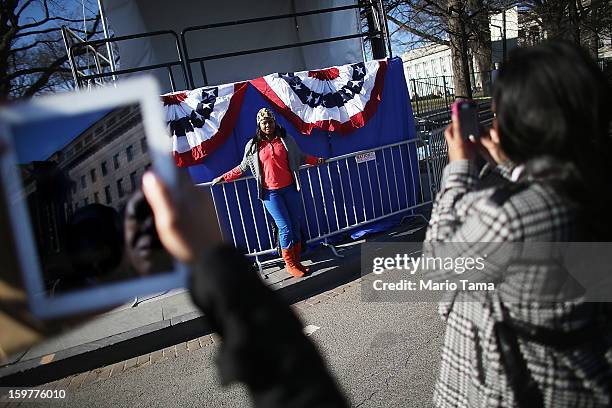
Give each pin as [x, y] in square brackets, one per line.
[84, 234]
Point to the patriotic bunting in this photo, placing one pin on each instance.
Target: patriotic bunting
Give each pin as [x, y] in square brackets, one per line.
[201, 120]
[339, 99]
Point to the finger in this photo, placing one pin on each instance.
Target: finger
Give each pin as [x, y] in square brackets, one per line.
[494, 135]
[158, 197]
[455, 125]
[489, 148]
[487, 141]
[448, 133]
[165, 213]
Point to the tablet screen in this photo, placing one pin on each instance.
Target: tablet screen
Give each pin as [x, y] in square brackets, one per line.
[81, 176]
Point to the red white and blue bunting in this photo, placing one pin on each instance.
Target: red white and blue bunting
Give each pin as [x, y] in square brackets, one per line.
[201, 120]
[339, 99]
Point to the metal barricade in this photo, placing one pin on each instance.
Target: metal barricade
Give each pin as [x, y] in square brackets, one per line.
[438, 157]
[349, 191]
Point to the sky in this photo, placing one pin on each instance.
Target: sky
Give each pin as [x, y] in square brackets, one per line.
[37, 140]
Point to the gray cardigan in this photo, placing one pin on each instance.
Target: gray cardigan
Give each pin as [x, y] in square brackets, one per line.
[295, 158]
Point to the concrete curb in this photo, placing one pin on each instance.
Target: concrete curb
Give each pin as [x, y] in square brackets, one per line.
[103, 352]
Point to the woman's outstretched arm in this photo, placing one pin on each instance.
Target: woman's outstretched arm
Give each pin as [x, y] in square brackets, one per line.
[237, 171]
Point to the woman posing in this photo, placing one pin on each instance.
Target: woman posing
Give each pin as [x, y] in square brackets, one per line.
[274, 158]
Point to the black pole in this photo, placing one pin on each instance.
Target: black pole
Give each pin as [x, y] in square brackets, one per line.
[377, 42]
[415, 95]
[383, 17]
[504, 35]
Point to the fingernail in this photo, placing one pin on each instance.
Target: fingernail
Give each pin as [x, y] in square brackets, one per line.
[148, 179]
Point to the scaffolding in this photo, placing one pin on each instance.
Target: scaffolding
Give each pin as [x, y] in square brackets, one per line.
[93, 62]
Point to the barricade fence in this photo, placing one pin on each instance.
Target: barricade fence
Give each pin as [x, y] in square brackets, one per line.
[432, 96]
[344, 194]
[437, 157]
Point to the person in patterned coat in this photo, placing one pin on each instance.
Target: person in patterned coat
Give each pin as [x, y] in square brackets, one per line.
[551, 142]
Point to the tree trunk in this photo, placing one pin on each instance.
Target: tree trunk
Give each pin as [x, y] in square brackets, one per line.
[588, 24]
[459, 51]
[481, 44]
[589, 41]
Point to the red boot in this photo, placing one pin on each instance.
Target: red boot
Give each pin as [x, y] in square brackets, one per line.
[289, 258]
[297, 248]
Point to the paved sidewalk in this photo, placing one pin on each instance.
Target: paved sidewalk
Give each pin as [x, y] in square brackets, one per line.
[75, 382]
[169, 320]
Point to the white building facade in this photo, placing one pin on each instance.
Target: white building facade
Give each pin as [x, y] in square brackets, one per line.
[434, 61]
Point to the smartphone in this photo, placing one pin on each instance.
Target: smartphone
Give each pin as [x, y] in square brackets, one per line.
[466, 111]
[72, 186]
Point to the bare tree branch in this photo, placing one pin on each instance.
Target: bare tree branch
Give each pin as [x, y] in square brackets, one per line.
[46, 31]
[47, 20]
[420, 33]
[55, 65]
[44, 78]
[32, 57]
[23, 7]
[30, 46]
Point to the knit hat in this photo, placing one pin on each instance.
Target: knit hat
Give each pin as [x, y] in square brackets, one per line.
[264, 113]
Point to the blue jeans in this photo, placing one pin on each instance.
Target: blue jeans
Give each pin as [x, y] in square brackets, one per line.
[285, 206]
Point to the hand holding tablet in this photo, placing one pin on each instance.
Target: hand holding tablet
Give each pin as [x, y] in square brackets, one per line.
[72, 175]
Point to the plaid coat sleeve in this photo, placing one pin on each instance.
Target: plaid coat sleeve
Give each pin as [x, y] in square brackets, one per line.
[461, 214]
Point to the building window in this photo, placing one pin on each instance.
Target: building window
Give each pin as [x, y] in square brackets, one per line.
[74, 185]
[143, 145]
[107, 192]
[130, 153]
[120, 191]
[133, 181]
[85, 201]
[96, 197]
[92, 173]
[83, 182]
[104, 169]
[116, 161]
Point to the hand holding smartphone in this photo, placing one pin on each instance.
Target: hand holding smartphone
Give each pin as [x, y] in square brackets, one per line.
[466, 112]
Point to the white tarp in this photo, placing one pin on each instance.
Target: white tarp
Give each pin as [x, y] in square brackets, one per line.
[127, 17]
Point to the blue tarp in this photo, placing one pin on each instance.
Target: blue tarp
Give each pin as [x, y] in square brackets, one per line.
[388, 184]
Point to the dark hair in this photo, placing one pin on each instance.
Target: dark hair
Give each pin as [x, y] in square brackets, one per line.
[554, 109]
[278, 131]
